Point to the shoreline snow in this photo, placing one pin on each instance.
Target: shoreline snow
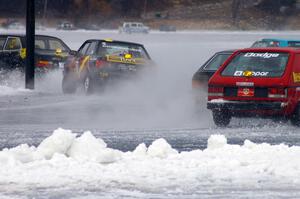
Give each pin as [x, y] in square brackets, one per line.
[67, 159]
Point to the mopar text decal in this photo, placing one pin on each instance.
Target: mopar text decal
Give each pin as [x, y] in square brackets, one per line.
[262, 55]
[253, 73]
[238, 73]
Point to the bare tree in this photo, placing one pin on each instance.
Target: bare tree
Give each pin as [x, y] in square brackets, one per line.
[235, 9]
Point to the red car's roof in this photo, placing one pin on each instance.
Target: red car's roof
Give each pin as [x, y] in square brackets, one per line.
[271, 49]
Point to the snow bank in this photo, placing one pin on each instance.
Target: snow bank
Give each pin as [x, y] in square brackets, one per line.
[216, 141]
[65, 159]
[88, 148]
[59, 142]
[160, 148]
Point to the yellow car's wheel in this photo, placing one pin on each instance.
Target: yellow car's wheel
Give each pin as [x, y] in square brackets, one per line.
[88, 85]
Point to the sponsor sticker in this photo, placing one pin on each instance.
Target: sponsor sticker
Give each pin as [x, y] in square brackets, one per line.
[262, 55]
[250, 73]
[119, 59]
[296, 77]
[238, 73]
[127, 56]
[125, 48]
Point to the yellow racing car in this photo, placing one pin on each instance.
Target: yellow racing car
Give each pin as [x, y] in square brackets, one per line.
[97, 62]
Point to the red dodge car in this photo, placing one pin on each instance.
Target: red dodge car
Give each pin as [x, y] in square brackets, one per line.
[255, 82]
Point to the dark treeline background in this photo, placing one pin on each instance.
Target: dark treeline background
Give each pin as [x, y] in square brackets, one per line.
[130, 8]
[71, 8]
[241, 14]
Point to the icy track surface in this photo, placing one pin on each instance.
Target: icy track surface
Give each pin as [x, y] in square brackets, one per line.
[67, 162]
[184, 156]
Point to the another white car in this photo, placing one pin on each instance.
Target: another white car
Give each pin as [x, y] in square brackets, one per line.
[66, 26]
[133, 27]
[16, 26]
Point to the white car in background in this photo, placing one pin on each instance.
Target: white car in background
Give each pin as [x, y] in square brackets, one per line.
[16, 26]
[133, 27]
[65, 25]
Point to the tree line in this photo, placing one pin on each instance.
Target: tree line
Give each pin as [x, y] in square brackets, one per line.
[83, 7]
[110, 8]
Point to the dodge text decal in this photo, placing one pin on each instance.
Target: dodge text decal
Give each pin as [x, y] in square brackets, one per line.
[262, 55]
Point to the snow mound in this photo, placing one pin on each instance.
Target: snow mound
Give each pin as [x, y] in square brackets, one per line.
[140, 150]
[88, 148]
[216, 141]
[18, 155]
[59, 142]
[161, 149]
[65, 159]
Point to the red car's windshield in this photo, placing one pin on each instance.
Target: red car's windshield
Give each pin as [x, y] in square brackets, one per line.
[261, 64]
